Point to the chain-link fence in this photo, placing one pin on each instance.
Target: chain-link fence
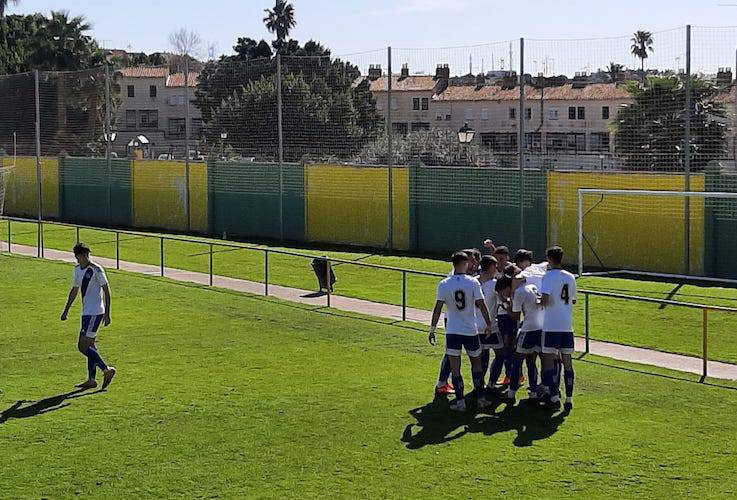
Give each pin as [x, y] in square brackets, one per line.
[424, 150]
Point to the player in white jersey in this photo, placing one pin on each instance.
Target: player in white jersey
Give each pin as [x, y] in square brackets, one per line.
[558, 297]
[494, 341]
[462, 295]
[526, 304]
[90, 281]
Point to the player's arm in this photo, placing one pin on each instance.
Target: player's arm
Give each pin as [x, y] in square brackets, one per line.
[434, 321]
[106, 298]
[488, 244]
[544, 299]
[481, 304]
[516, 311]
[70, 300]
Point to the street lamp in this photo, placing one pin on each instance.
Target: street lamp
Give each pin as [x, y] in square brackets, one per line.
[223, 136]
[466, 134]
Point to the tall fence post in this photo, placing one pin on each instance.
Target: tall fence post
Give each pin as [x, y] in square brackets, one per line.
[521, 142]
[586, 320]
[161, 254]
[117, 250]
[280, 133]
[266, 273]
[9, 248]
[390, 152]
[108, 145]
[404, 295]
[186, 142]
[705, 343]
[211, 265]
[39, 193]
[687, 159]
[76, 228]
[580, 233]
[327, 279]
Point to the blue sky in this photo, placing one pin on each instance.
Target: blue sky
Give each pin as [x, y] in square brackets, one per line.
[351, 26]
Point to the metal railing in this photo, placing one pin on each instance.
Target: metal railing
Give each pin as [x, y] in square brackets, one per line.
[704, 318]
[331, 260]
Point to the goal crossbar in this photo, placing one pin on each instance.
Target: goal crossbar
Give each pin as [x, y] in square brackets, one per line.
[643, 192]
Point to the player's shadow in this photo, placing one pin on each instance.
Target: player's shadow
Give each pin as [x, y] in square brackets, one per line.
[437, 424]
[52, 403]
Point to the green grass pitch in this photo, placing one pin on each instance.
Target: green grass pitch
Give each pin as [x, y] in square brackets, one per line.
[225, 395]
[633, 323]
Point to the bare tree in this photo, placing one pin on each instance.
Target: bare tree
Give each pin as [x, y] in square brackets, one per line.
[186, 44]
[212, 50]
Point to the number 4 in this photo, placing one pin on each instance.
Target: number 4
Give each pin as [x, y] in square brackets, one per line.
[564, 294]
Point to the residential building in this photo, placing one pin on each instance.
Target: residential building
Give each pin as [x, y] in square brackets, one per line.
[152, 103]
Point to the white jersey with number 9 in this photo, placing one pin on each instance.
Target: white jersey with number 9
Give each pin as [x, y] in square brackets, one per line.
[560, 287]
[460, 293]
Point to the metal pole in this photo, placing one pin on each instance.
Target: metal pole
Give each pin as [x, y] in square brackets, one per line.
[39, 249]
[705, 340]
[9, 249]
[161, 254]
[117, 250]
[108, 145]
[77, 231]
[521, 142]
[580, 233]
[327, 280]
[404, 295]
[687, 159]
[280, 133]
[586, 320]
[211, 264]
[390, 159]
[186, 140]
[266, 273]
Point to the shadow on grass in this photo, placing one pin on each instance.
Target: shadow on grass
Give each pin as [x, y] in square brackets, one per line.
[57, 402]
[437, 424]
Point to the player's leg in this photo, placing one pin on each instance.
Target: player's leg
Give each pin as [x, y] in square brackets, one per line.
[550, 346]
[87, 347]
[566, 355]
[533, 342]
[496, 344]
[453, 347]
[474, 350]
[443, 387]
[514, 376]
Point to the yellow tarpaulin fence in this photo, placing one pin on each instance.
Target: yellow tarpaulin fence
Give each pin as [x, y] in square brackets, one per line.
[21, 192]
[349, 205]
[626, 232]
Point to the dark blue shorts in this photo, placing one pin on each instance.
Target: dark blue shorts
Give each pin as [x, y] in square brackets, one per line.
[558, 342]
[529, 342]
[90, 325]
[494, 341]
[455, 343]
[507, 326]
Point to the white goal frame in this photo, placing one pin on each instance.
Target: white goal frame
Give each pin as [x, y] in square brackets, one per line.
[643, 192]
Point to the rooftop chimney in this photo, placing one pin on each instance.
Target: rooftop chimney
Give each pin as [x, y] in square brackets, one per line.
[442, 72]
[374, 72]
[580, 80]
[405, 71]
[724, 76]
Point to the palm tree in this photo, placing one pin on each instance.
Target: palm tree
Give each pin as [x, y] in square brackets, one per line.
[614, 70]
[62, 44]
[280, 21]
[4, 5]
[642, 43]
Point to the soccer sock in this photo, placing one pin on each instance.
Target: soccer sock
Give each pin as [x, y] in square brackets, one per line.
[508, 358]
[550, 383]
[478, 382]
[91, 369]
[514, 375]
[93, 355]
[558, 371]
[484, 362]
[496, 370]
[532, 373]
[568, 379]
[458, 386]
[444, 371]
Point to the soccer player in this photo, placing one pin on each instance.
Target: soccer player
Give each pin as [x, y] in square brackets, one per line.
[526, 303]
[494, 341]
[501, 254]
[461, 294]
[558, 297]
[90, 280]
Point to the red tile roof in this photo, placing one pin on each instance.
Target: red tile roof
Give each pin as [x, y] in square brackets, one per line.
[177, 79]
[407, 84]
[145, 72]
[592, 91]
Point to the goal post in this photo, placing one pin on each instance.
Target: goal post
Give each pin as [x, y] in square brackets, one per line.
[669, 216]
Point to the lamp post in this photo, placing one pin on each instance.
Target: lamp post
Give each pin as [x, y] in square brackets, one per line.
[223, 136]
[465, 137]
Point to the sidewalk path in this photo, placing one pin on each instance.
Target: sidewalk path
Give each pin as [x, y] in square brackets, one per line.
[606, 349]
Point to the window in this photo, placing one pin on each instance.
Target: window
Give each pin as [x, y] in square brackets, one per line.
[152, 91]
[571, 112]
[439, 116]
[528, 114]
[605, 112]
[149, 118]
[131, 91]
[176, 127]
[379, 104]
[196, 127]
[484, 114]
[553, 114]
[394, 104]
[400, 128]
[499, 141]
[561, 141]
[416, 103]
[581, 113]
[425, 103]
[469, 114]
[448, 117]
[512, 113]
[533, 141]
[420, 126]
[599, 141]
[130, 118]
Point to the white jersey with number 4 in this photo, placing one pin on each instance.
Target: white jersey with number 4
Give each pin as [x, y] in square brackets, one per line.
[560, 287]
[460, 293]
[526, 300]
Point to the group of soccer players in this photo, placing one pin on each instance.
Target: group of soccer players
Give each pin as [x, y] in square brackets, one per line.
[519, 310]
